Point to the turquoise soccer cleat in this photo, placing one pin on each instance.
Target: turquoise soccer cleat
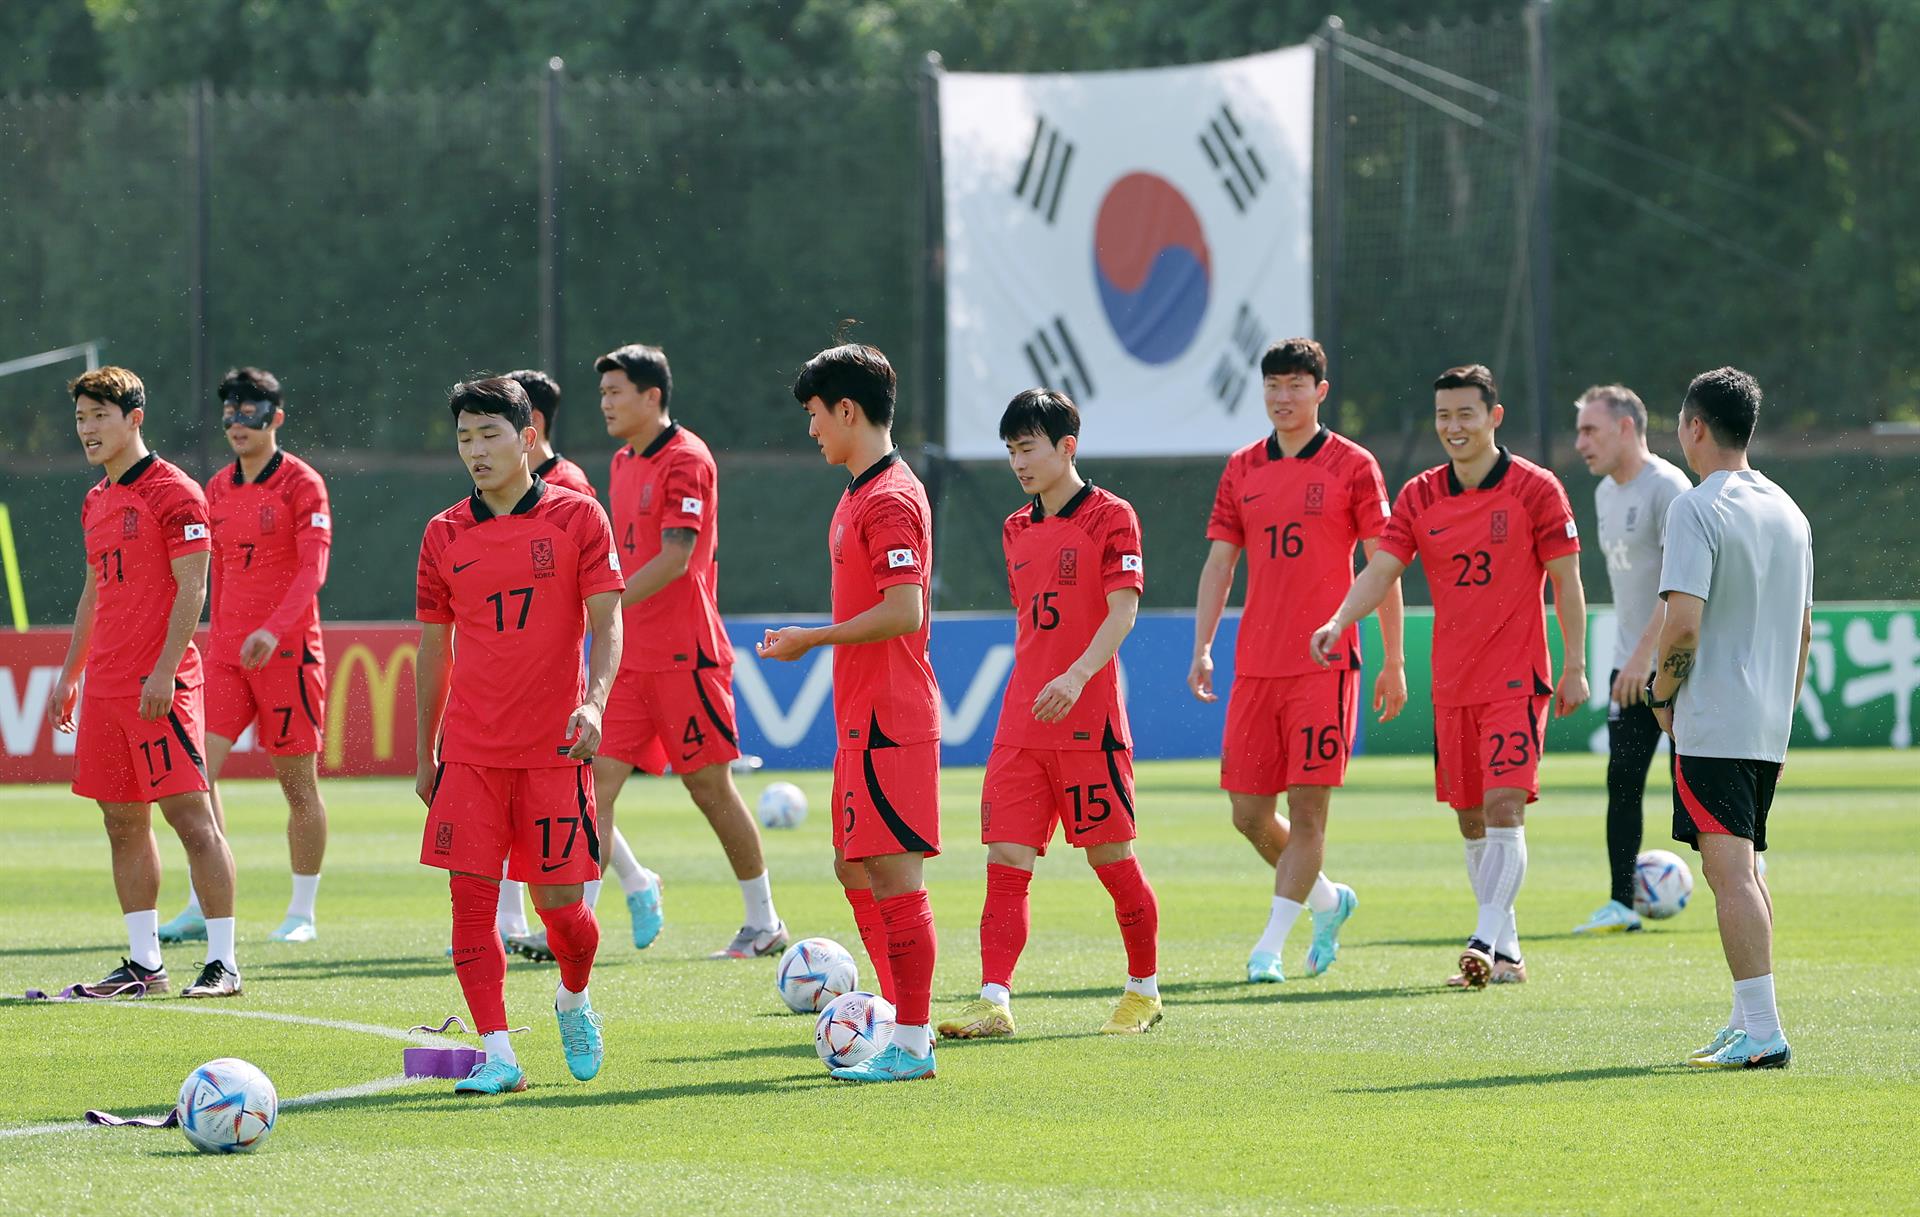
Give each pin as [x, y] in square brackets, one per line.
[580, 1039]
[187, 927]
[295, 929]
[648, 916]
[891, 1064]
[1264, 969]
[1612, 917]
[1325, 947]
[492, 1077]
[1721, 1039]
[1745, 1052]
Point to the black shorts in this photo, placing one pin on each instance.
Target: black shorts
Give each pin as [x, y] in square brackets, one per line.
[1724, 795]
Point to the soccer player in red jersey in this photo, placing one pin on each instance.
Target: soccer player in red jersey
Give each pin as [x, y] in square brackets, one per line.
[272, 531]
[672, 703]
[886, 706]
[1490, 529]
[510, 578]
[141, 738]
[548, 465]
[1062, 754]
[1296, 503]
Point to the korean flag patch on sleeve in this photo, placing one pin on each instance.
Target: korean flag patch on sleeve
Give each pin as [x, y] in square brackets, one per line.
[195, 532]
[897, 558]
[1572, 532]
[1131, 562]
[691, 506]
[321, 520]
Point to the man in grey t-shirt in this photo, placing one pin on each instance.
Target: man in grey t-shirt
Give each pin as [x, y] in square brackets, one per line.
[1630, 502]
[1738, 582]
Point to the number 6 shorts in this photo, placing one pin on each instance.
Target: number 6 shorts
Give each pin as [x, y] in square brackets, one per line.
[1029, 790]
[1289, 731]
[886, 800]
[1487, 746]
[537, 822]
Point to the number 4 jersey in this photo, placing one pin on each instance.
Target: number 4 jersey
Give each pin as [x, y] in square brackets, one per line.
[512, 587]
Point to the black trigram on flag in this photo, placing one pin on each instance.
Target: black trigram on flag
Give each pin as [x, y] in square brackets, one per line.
[1044, 175]
[1232, 155]
[1230, 375]
[1055, 361]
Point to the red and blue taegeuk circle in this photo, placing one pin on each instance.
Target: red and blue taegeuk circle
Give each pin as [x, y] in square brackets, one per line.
[1151, 263]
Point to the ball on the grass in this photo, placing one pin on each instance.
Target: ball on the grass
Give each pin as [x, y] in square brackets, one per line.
[1662, 884]
[782, 805]
[227, 1107]
[852, 1028]
[813, 972]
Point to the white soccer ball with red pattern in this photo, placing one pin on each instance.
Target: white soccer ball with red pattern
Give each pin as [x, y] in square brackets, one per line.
[227, 1107]
[813, 972]
[853, 1027]
[1662, 884]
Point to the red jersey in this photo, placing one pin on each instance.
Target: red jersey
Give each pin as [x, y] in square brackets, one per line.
[512, 586]
[1060, 569]
[271, 538]
[672, 484]
[136, 525]
[1485, 551]
[1298, 519]
[557, 470]
[882, 536]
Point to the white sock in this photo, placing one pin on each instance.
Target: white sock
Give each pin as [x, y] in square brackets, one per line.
[305, 888]
[1509, 944]
[1737, 1021]
[1755, 998]
[590, 895]
[633, 877]
[566, 999]
[757, 895]
[143, 937]
[1476, 848]
[917, 1040]
[510, 916]
[1322, 899]
[1279, 925]
[1148, 986]
[193, 903]
[1503, 869]
[499, 1047]
[997, 994]
[220, 943]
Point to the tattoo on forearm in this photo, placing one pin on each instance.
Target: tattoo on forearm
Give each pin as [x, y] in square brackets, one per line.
[680, 536]
[1679, 664]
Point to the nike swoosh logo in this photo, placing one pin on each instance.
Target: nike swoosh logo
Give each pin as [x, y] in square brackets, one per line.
[547, 870]
[461, 963]
[1251, 497]
[1021, 565]
[1311, 768]
[460, 566]
[1432, 532]
[156, 781]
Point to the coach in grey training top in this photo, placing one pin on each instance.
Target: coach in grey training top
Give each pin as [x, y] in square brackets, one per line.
[1738, 585]
[1631, 502]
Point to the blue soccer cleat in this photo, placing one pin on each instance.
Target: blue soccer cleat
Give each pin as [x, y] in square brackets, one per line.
[1612, 917]
[189, 926]
[580, 1039]
[1721, 1039]
[1264, 969]
[1325, 947]
[648, 917]
[295, 929]
[891, 1064]
[1745, 1052]
[492, 1077]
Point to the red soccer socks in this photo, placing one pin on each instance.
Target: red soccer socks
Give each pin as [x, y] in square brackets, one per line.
[873, 936]
[1005, 921]
[573, 936]
[911, 949]
[479, 960]
[1137, 911]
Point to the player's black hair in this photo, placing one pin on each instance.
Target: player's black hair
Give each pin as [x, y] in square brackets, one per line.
[250, 384]
[1471, 376]
[111, 384]
[1621, 402]
[854, 371]
[645, 366]
[1291, 355]
[543, 392]
[496, 395]
[1728, 401]
[1047, 412]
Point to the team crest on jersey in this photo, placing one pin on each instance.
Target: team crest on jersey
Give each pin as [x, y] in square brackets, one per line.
[1631, 513]
[1499, 526]
[542, 558]
[646, 496]
[129, 522]
[443, 838]
[266, 517]
[839, 534]
[1069, 566]
[1316, 497]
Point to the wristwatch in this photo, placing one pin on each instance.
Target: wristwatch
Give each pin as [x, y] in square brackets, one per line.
[1654, 703]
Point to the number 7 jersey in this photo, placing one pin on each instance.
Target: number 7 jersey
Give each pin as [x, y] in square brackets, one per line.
[513, 587]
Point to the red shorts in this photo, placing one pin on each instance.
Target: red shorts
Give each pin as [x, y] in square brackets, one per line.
[538, 822]
[120, 757]
[1029, 790]
[1289, 731]
[683, 719]
[887, 801]
[1488, 746]
[286, 702]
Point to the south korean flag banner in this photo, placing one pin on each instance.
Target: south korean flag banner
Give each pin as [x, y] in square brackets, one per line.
[1134, 239]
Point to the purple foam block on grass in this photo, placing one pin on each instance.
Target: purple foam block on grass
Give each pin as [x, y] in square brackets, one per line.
[453, 1063]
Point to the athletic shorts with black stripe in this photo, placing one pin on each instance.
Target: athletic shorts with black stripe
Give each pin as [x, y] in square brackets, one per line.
[1494, 745]
[681, 719]
[886, 800]
[1028, 791]
[1285, 731]
[285, 702]
[1727, 795]
[539, 823]
[120, 757]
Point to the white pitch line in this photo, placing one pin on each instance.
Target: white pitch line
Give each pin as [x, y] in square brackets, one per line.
[377, 1086]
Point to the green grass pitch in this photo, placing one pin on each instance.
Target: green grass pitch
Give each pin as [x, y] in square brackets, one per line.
[1370, 1089]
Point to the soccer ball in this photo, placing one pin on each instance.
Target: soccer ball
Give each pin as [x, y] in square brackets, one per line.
[1662, 884]
[782, 805]
[853, 1027]
[227, 1107]
[813, 972]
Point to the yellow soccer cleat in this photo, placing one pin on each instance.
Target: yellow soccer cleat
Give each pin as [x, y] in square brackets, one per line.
[1136, 1013]
[980, 1020]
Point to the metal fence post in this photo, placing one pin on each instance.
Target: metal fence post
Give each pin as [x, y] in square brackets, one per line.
[1329, 172]
[199, 363]
[929, 346]
[1541, 123]
[552, 236]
